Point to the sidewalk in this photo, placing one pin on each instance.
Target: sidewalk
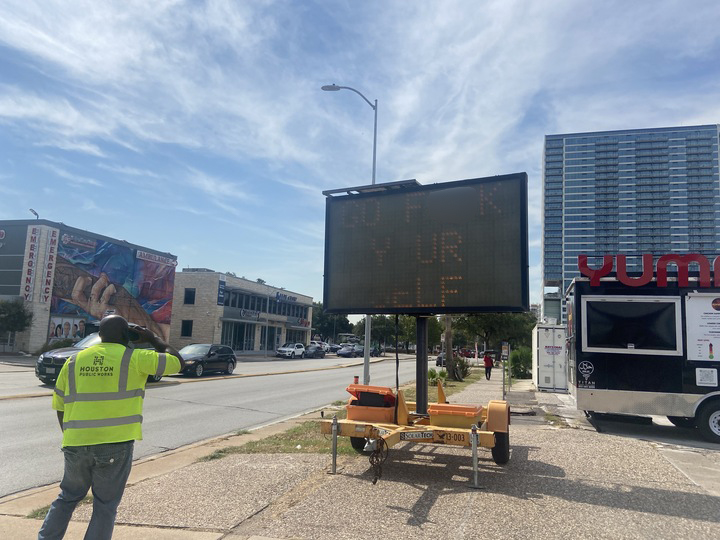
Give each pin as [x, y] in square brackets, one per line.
[556, 475]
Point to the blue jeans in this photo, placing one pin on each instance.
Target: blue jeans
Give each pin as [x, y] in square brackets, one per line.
[105, 468]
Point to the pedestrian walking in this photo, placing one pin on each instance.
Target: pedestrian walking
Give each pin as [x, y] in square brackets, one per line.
[488, 362]
[99, 400]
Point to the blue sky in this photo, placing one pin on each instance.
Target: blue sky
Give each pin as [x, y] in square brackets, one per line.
[199, 128]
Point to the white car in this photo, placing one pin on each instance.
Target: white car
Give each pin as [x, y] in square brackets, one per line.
[324, 346]
[291, 350]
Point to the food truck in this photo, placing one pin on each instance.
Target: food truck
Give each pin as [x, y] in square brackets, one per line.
[647, 344]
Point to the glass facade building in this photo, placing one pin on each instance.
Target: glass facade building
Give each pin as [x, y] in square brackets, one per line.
[632, 192]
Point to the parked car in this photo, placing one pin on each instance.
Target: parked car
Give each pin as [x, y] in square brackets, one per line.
[291, 350]
[335, 347]
[351, 350]
[314, 351]
[202, 358]
[440, 361]
[49, 363]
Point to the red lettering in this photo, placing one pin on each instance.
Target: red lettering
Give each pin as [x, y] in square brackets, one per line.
[683, 262]
[635, 282]
[31, 255]
[595, 275]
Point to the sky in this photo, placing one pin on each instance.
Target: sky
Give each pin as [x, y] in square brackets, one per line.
[200, 129]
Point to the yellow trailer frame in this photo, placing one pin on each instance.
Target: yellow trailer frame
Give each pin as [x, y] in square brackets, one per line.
[491, 430]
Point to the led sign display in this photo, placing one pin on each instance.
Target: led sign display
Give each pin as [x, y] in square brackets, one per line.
[454, 247]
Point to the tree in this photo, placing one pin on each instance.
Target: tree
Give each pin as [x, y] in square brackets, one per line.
[14, 316]
[329, 325]
[493, 328]
[382, 329]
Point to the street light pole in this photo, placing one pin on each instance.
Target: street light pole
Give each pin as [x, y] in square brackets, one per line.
[368, 322]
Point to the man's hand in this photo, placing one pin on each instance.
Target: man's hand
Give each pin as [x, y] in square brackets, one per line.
[145, 335]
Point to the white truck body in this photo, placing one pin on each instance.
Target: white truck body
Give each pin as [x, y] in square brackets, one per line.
[549, 358]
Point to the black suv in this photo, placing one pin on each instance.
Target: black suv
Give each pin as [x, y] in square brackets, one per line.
[49, 363]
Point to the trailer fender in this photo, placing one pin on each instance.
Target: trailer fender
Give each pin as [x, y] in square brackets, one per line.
[498, 416]
[701, 402]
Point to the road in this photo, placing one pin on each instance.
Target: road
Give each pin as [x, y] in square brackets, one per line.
[175, 414]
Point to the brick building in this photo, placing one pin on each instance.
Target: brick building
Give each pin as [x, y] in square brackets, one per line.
[214, 307]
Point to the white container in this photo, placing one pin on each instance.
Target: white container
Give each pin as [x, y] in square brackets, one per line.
[549, 359]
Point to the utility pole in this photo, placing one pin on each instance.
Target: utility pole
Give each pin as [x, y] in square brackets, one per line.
[449, 359]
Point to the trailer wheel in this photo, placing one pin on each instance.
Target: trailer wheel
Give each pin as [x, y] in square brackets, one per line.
[501, 450]
[709, 421]
[358, 444]
[682, 421]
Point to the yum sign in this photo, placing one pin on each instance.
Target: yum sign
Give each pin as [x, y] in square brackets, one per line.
[681, 261]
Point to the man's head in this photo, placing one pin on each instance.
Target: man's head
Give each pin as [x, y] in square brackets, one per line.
[114, 329]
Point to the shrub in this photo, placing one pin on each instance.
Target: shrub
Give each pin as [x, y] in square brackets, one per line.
[432, 377]
[521, 363]
[462, 365]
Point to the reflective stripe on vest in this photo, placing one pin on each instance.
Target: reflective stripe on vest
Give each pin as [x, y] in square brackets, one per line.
[162, 360]
[124, 370]
[103, 422]
[105, 396]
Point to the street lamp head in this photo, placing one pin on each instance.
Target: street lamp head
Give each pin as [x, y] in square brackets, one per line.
[34, 213]
[330, 88]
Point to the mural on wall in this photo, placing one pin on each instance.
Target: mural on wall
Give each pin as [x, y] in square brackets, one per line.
[95, 278]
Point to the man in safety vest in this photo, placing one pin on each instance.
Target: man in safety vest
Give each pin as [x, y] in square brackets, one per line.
[99, 399]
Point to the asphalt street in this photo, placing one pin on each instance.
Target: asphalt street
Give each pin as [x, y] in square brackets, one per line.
[178, 411]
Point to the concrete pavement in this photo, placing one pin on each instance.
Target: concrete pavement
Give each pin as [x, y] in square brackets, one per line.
[564, 480]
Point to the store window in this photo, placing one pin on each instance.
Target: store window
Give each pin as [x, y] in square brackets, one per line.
[189, 296]
[186, 328]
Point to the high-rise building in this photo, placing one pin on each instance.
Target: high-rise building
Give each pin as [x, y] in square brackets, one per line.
[633, 192]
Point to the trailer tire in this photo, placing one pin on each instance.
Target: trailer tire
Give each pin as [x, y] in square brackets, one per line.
[501, 450]
[358, 444]
[709, 421]
[682, 421]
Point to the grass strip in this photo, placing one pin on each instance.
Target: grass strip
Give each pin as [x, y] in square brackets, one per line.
[40, 513]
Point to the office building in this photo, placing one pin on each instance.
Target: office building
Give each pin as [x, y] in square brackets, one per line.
[249, 316]
[632, 192]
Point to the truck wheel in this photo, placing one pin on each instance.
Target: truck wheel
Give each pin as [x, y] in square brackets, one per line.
[682, 421]
[358, 444]
[501, 450]
[709, 421]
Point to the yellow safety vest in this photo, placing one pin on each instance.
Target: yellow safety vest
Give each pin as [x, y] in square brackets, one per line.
[101, 389]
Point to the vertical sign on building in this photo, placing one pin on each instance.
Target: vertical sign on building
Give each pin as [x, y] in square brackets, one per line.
[30, 263]
[221, 293]
[48, 276]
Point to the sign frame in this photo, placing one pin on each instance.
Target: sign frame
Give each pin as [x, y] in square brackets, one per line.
[377, 190]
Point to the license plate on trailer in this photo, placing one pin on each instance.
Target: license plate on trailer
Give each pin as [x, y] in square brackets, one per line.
[50, 370]
[416, 435]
